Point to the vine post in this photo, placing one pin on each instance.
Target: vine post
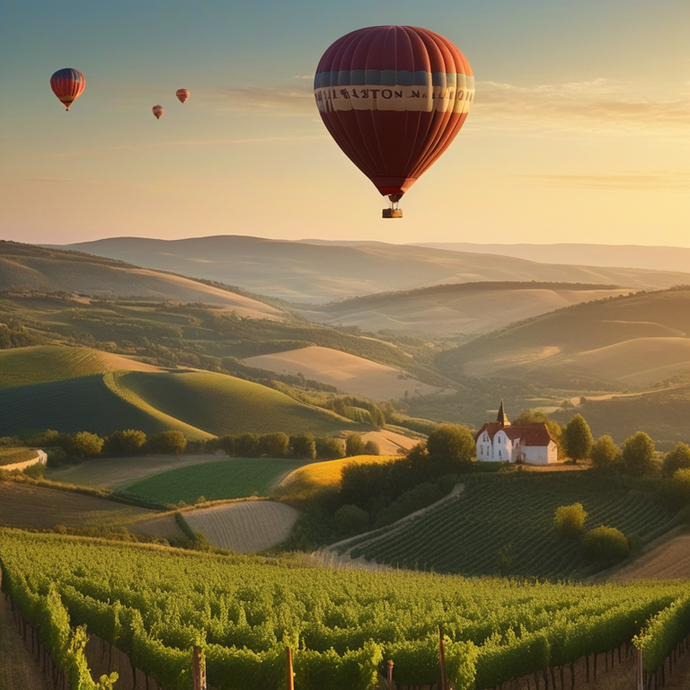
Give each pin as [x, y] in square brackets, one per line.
[442, 658]
[390, 670]
[290, 674]
[640, 670]
[199, 669]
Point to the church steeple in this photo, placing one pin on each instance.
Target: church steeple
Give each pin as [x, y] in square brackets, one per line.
[502, 417]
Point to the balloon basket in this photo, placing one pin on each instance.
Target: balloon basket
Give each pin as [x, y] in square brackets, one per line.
[392, 213]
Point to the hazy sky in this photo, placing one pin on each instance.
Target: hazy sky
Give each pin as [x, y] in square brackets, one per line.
[580, 130]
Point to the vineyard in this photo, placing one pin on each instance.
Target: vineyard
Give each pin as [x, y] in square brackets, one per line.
[505, 524]
[155, 604]
[229, 478]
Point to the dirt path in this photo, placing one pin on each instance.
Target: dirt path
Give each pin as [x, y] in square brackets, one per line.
[18, 671]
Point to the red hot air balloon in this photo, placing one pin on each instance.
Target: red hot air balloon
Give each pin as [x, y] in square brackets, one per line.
[157, 110]
[67, 84]
[393, 98]
[182, 94]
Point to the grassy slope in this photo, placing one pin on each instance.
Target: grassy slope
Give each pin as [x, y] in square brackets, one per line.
[467, 309]
[225, 405]
[554, 339]
[87, 403]
[39, 364]
[514, 513]
[219, 479]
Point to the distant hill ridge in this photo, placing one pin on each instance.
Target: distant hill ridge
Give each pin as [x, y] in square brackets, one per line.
[322, 271]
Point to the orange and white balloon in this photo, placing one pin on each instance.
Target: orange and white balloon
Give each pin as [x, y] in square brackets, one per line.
[157, 110]
[182, 94]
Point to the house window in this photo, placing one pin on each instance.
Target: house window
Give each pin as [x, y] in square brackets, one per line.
[499, 453]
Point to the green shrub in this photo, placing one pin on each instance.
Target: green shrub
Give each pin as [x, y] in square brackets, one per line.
[329, 448]
[354, 445]
[676, 459]
[569, 520]
[638, 455]
[86, 445]
[605, 544]
[351, 519]
[604, 452]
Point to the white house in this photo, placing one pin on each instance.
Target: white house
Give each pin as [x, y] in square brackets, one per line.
[501, 441]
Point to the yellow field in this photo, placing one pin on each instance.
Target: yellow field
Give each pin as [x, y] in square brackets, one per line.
[306, 481]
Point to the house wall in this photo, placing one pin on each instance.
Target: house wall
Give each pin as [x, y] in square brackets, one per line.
[541, 455]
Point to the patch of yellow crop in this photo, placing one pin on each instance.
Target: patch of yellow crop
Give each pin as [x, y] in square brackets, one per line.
[306, 481]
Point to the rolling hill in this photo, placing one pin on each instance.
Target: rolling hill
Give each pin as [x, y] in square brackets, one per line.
[320, 272]
[28, 268]
[459, 310]
[200, 404]
[639, 338]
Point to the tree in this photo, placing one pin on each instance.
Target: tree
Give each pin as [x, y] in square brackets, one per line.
[274, 445]
[676, 459]
[171, 442]
[604, 452]
[127, 443]
[351, 519]
[329, 448]
[303, 446]
[605, 544]
[86, 445]
[569, 520]
[577, 438]
[450, 447]
[680, 487]
[638, 454]
[354, 445]
[372, 448]
[247, 446]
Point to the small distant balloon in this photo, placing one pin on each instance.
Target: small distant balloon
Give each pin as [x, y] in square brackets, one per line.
[157, 110]
[182, 94]
[67, 84]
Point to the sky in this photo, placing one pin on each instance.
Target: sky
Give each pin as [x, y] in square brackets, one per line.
[580, 130]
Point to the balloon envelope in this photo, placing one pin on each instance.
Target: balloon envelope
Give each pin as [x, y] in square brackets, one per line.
[182, 94]
[67, 84]
[157, 110]
[393, 98]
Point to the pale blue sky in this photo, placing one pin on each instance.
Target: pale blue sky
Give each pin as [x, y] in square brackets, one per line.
[580, 132]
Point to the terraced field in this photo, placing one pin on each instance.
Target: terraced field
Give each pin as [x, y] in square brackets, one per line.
[508, 519]
[215, 480]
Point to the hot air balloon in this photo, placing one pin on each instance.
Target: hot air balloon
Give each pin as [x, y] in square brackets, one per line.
[157, 110]
[393, 98]
[67, 84]
[182, 94]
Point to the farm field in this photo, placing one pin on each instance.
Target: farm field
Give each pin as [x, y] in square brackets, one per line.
[214, 480]
[244, 526]
[10, 456]
[113, 473]
[343, 624]
[504, 524]
[39, 507]
[39, 364]
[670, 560]
[307, 481]
[349, 373]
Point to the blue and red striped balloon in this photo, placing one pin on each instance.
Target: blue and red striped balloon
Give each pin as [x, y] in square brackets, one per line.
[67, 85]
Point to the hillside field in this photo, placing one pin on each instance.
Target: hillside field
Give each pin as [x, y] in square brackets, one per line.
[504, 523]
[214, 480]
[39, 507]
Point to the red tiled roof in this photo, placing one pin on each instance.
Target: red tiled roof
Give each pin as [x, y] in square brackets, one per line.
[536, 434]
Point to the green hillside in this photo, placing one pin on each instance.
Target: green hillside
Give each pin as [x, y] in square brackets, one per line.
[36, 364]
[219, 479]
[513, 515]
[87, 403]
[549, 345]
[200, 404]
[223, 404]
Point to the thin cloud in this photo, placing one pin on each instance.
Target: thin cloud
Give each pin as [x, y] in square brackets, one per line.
[273, 100]
[597, 105]
[642, 181]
